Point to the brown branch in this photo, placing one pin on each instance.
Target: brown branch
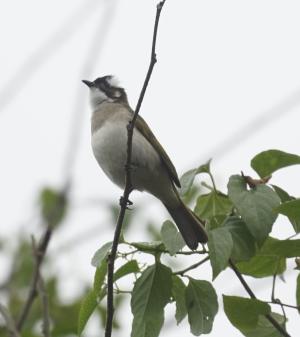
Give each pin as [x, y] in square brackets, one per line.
[40, 254]
[128, 185]
[276, 325]
[193, 266]
[43, 295]
[45, 307]
[10, 324]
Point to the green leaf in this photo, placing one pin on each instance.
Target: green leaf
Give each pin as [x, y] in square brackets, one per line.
[151, 293]
[248, 315]
[149, 247]
[282, 248]
[99, 277]
[213, 204]
[267, 162]
[269, 260]
[265, 328]
[88, 306]
[171, 238]
[243, 242]
[291, 209]
[298, 292]
[101, 254]
[284, 197]
[255, 206]
[202, 306]
[128, 268]
[178, 292]
[53, 206]
[188, 177]
[220, 247]
[215, 222]
[243, 313]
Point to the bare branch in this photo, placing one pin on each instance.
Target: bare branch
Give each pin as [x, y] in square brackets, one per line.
[276, 325]
[45, 307]
[40, 254]
[193, 266]
[128, 185]
[10, 324]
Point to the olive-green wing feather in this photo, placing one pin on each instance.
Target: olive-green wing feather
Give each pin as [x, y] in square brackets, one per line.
[144, 129]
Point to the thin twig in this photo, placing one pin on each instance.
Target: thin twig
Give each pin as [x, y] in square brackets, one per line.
[40, 254]
[276, 325]
[45, 307]
[193, 266]
[10, 324]
[128, 186]
[277, 301]
[273, 288]
[43, 295]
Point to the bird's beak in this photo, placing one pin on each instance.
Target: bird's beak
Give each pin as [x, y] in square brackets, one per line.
[88, 83]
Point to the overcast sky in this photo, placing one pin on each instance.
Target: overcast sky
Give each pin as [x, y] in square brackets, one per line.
[226, 86]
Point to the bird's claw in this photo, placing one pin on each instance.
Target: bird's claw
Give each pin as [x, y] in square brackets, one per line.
[125, 203]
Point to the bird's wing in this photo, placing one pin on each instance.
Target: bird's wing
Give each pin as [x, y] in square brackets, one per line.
[144, 129]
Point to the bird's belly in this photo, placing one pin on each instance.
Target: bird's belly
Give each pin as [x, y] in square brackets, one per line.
[109, 145]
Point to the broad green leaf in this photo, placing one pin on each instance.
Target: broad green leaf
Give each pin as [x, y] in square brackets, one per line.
[285, 197]
[53, 206]
[298, 292]
[243, 242]
[267, 162]
[282, 248]
[188, 177]
[88, 306]
[202, 306]
[151, 293]
[291, 209]
[99, 277]
[128, 268]
[171, 238]
[101, 254]
[243, 313]
[149, 247]
[269, 260]
[213, 204]
[265, 328]
[220, 247]
[178, 292]
[255, 206]
[215, 222]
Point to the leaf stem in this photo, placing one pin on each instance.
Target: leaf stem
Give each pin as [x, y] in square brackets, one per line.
[193, 266]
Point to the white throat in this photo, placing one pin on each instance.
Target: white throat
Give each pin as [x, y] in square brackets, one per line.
[97, 97]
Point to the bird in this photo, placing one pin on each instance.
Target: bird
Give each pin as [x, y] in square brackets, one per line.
[151, 168]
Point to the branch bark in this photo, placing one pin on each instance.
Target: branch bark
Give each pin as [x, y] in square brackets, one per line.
[128, 185]
[40, 254]
[10, 324]
[276, 325]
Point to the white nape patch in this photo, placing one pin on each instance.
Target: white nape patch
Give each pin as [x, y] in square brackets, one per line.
[113, 81]
[97, 97]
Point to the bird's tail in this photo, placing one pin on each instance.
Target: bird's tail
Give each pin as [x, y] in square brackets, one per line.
[189, 225]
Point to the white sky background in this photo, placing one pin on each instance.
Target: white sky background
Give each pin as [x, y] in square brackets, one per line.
[221, 65]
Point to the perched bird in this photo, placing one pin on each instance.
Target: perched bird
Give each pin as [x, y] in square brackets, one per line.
[152, 169]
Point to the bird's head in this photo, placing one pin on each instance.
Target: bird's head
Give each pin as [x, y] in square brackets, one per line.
[105, 89]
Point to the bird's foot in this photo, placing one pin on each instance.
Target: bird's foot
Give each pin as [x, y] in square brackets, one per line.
[125, 203]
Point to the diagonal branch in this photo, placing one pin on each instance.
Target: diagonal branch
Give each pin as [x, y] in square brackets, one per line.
[40, 254]
[10, 324]
[276, 325]
[128, 185]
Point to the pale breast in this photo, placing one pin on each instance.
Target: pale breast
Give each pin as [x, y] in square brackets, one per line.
[109, 145]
